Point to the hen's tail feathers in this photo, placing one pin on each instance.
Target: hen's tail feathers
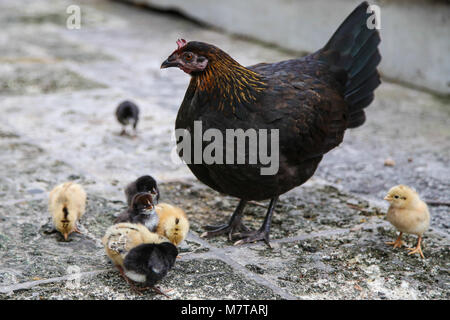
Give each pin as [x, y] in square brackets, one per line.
[353, 48]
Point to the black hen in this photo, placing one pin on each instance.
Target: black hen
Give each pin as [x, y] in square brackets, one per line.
[311, 101]
[150, 262]
[142, 184]
[127, 113]
[142, 210]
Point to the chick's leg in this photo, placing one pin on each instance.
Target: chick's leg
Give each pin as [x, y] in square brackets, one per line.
[397, 243]
[417, 249]
[233, 225]
[159, 291]
[263, 232]
[131, 284]
[123, 132]
[77, 230]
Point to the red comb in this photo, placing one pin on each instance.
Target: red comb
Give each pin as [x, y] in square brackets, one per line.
[181, 43]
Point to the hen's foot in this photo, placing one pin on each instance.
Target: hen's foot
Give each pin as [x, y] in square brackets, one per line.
[253, 236]
[229, 229]
[263, 233]
[233, 226]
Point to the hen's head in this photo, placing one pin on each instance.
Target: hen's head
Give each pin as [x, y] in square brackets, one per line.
[229, 85]
[192, 56]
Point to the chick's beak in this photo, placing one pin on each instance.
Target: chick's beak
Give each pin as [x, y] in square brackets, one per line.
[387, 198]
[66, 235]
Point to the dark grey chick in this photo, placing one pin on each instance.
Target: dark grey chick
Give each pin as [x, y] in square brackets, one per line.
[127, 113]
[142, 210]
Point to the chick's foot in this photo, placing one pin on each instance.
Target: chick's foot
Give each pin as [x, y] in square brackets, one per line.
[159, 291]
[417, 249]
[398, 242]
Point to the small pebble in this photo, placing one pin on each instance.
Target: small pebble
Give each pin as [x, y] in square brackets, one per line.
[389, 162]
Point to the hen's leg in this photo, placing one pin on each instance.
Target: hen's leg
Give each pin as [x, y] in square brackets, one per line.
[233, 225]
[397, 243]
[263, 232]
[417, 249]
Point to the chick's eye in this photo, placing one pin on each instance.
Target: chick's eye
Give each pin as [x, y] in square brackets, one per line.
[396, 197]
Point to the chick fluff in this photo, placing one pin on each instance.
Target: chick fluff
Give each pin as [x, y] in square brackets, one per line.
[409, 214]
[140, 255]
[67, 203]
[173, 223]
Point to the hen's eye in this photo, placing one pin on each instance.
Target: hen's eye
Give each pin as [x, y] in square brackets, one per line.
[188, 56]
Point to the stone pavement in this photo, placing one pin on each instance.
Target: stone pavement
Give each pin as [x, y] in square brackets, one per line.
[58, 93]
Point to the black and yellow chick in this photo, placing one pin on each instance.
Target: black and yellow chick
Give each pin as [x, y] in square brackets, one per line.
[142, 210]
[142, 184]
[127, 113]
[122, 239]
[67, 204]
[173, 223]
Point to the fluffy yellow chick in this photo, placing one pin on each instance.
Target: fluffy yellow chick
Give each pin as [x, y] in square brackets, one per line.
[67, 203]
[173, 223]
[408, 214]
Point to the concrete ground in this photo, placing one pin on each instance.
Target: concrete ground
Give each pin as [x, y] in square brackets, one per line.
[58, 93]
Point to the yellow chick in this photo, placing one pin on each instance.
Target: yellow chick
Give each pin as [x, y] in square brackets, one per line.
[409, 214]
[173, 223]
[120, 238]
[67, 203]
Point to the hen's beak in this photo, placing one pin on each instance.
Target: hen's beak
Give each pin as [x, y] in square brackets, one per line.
[169, 63]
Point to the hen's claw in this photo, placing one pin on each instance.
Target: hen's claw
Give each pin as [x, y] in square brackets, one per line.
[228, 229]
[231, 227]
[253, 236]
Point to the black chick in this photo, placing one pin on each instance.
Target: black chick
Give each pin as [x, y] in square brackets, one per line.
[142, 184]
[127, 112]
[148, 263]
[308, 102]
[142, 210]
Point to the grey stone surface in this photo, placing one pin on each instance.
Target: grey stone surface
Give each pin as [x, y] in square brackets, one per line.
[414, 33]
[58, 93]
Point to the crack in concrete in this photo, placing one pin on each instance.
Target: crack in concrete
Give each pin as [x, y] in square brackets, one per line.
[218, 253]
[30, 284]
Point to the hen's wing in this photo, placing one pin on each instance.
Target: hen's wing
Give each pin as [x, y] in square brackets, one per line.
[304, 101]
